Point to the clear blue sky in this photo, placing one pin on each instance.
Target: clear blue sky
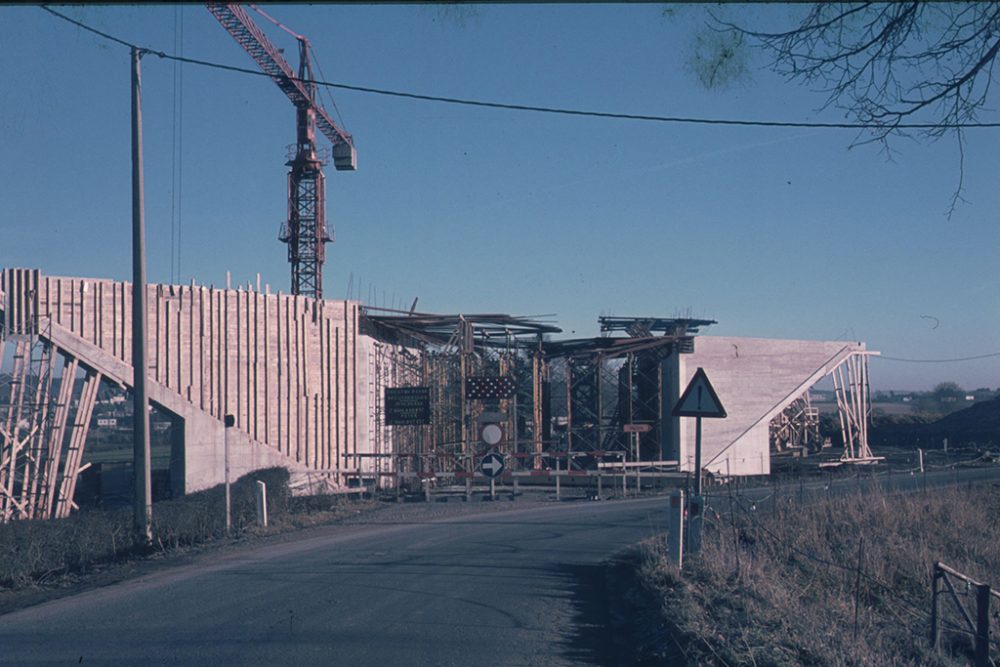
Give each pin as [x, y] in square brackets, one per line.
[783, 233]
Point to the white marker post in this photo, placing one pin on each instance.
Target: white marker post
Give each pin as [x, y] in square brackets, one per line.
[261, 504]
[698, 400]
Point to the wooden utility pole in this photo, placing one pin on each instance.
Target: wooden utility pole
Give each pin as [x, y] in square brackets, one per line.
[143, 502]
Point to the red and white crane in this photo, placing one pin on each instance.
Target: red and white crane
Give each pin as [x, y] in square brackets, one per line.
[306, 232]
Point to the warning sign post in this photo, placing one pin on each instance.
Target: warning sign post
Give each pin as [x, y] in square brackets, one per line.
[698, 400]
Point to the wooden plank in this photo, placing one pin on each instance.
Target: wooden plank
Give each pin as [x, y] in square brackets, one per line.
[33, 470]
[42, 507]
[78, 438]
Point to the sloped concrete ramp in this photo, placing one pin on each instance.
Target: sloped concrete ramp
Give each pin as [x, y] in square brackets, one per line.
[755, 378]
[286, 367]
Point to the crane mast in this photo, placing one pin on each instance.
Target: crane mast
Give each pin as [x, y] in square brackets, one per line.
[306, 231]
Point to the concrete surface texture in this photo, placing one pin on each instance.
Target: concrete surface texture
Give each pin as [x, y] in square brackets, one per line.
[285, 366]
[755, 378]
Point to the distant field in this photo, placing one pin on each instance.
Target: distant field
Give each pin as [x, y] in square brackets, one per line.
[884, 408]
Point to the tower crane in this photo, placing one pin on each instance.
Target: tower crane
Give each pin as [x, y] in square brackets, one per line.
[306, 232]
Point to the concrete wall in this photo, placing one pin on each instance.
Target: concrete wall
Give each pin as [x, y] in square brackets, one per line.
[755, 378]
[286, 367]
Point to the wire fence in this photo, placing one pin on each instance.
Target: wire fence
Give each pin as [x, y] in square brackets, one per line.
[755, 513]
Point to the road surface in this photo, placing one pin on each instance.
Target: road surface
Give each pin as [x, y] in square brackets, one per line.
[519, 587]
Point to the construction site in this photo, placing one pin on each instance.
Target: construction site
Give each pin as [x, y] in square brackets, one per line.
[346, 395]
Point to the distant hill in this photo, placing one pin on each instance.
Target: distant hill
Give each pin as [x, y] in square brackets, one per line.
[979, 424]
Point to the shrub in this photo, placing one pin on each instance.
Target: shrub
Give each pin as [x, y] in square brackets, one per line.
[32, 552]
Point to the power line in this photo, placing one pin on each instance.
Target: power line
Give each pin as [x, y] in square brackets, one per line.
[941, 361]
[537, 109]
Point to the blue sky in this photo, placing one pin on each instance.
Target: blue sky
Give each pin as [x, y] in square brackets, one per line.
[783, 233]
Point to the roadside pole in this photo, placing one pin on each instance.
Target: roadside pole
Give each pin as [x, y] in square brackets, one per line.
[143, 499]
[697, 456]
[229, 423]
[698, 400]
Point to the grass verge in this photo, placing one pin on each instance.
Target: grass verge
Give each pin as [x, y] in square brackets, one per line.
[842, 582]
[55, 553]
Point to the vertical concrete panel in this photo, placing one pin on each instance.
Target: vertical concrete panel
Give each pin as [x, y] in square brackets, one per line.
[125, 315]
[281, 354]
[181, 349]
[198, 339]
[80, 301]
[296, 359]
[257, 358]
[210, 350]
[354, 378]
[229, 351]
[236, 335]
[285, 357]
[269, 374]
[338, 401]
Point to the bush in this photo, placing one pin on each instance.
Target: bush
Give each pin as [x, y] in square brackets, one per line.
[32, 552]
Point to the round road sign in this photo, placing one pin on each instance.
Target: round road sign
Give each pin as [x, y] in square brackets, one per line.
[492, 465]
[491, 434]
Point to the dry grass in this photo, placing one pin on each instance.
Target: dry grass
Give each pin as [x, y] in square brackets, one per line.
[786, 595]
[38, 553]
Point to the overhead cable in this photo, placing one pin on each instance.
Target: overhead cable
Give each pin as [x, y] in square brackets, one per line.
[540, 109]
[940, 361]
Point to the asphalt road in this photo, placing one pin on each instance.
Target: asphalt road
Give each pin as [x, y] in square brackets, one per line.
[520, 587]
[516, 587]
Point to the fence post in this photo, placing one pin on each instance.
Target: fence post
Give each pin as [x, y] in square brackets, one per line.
[935, 620]
[983, 625]
[857, 583]
[696, 506]
[675, 534]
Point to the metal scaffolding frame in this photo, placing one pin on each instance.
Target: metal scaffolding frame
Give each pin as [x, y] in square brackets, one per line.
[589, 388]
[441, 352]
[796, 427]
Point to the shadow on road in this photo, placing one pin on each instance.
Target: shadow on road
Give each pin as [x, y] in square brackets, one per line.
[615, 620]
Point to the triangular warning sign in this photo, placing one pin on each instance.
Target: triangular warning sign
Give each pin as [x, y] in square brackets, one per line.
[699, 399]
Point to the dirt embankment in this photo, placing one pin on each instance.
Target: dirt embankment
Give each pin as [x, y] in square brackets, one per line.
[978, 425]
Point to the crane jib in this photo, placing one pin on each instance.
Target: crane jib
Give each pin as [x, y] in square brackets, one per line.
[249, 36]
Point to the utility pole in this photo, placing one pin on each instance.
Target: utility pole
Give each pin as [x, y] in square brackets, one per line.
[140, 404]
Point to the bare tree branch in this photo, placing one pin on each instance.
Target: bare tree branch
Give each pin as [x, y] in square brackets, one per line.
[883, 63]
[886, 63]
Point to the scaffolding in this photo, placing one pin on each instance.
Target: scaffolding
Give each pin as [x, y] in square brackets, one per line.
[796, 428]
[45, 412]
[570, 401]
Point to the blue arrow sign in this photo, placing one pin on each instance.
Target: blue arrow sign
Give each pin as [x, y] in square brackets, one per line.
[492, 465]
